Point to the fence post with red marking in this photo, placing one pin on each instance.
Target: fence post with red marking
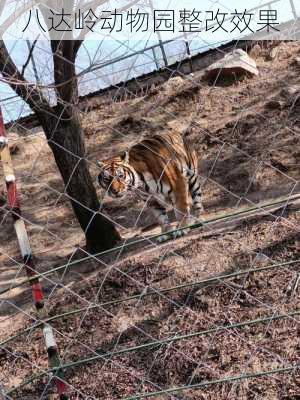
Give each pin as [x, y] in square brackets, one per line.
[14, 207]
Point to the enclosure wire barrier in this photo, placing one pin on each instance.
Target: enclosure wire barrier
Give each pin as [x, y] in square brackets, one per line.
[150, 290]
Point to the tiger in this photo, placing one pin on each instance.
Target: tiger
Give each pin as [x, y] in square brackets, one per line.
[163, 170]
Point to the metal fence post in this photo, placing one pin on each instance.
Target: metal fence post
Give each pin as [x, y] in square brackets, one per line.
[160, 41]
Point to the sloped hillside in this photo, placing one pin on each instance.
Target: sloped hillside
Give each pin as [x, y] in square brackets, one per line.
[247, 135]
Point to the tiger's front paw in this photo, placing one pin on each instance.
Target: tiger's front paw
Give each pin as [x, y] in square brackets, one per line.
[167, 234]
[180, 233]
[164, 238]
[196, 220]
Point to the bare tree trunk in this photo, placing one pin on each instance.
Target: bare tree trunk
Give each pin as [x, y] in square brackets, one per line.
[66, 142]
[65, 138]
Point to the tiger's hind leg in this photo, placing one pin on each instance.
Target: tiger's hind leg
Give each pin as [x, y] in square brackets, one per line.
[182, 206]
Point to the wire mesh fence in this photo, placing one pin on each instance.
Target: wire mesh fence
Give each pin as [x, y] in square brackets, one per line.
[211, 314]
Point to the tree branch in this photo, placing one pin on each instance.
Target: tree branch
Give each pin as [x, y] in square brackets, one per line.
[15, 15]
[33, 96]
[28, 58]
[2, 5]
[83, 33]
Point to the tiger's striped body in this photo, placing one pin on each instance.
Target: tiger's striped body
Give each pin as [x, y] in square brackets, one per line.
[163, 170]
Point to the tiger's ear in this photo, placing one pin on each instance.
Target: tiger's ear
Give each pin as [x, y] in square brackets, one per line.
[125, 157]
[100, 164]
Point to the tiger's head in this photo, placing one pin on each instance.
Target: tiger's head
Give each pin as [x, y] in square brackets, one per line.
[116, 176]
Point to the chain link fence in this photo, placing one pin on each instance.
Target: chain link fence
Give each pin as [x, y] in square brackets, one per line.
[213, 314]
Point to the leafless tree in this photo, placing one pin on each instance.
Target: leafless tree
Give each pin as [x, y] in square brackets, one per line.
[62, 127]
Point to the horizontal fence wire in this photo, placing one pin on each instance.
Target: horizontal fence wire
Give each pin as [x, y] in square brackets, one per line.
[153, 238]
[152, 292]
[151, 345]
[200, 385]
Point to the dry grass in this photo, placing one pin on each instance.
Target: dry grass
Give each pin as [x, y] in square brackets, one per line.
[251, 117]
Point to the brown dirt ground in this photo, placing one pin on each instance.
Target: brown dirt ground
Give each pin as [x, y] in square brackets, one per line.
[246, 133]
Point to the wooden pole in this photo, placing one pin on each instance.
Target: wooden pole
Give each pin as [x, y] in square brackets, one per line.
[14, 207]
